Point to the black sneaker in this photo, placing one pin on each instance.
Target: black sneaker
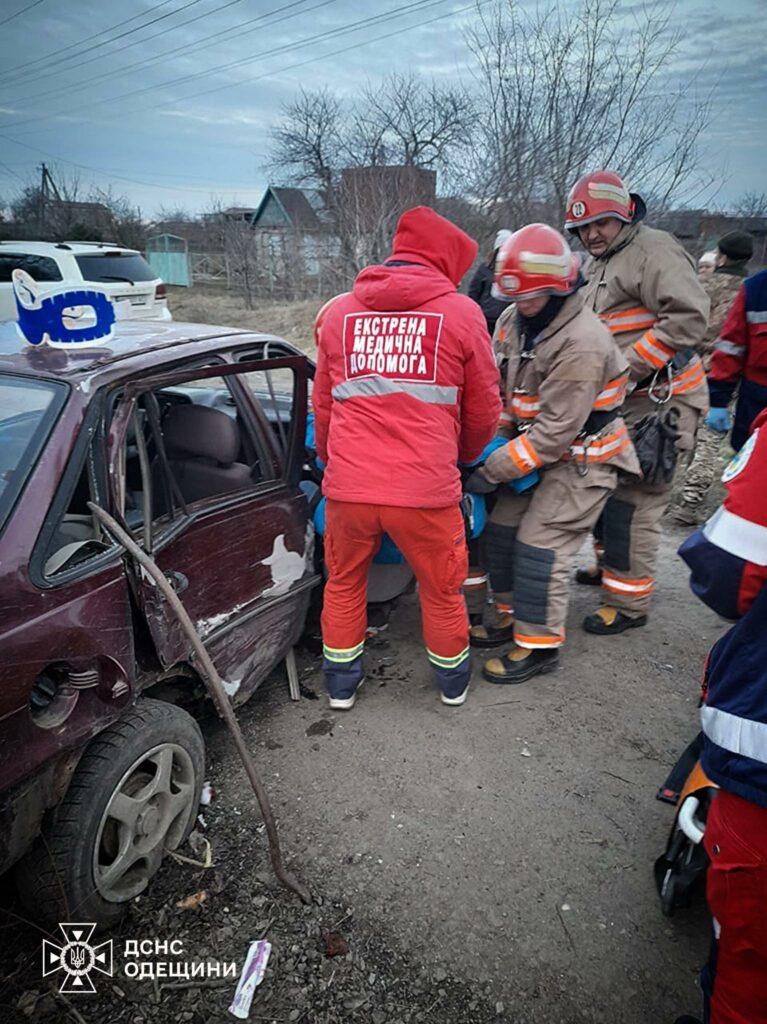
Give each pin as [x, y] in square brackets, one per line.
[589, 577]
[519, 665]
[607, 621]
[687, 1019]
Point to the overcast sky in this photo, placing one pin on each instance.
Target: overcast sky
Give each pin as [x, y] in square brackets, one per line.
[92, 83]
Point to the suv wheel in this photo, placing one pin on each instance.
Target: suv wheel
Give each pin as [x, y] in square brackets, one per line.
[133, 796]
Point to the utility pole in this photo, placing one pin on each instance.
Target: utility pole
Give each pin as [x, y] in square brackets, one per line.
[48, 191]
[41, 201]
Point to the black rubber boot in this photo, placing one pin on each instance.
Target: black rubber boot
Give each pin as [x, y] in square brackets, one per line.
[609, 624]
[589, 577]
[511, 668]
[491, 636]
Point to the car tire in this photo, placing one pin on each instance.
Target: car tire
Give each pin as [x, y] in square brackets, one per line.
[134, 794]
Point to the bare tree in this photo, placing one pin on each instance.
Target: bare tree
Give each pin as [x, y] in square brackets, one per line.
[367, 159]
[77, 211]
[242, 258]
[309, 141]
[562, 91]
[410, 121]
[751, 204]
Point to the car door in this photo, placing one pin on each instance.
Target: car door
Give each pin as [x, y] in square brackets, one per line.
[240, 560]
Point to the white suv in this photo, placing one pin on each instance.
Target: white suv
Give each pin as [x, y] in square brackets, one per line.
[122, 273]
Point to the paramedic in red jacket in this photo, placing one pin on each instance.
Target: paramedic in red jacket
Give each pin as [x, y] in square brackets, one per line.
[728, 559]
[406, 388]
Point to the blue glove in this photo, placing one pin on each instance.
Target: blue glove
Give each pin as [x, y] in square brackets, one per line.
[718, 420]
[497, 442]
[524, 483]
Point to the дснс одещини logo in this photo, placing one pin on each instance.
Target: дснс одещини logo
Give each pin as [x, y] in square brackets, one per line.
[76, 958]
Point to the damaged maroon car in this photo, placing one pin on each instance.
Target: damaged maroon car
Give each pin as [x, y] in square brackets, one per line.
[193, 439]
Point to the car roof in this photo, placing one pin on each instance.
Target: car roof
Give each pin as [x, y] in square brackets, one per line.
[73, 248]
[135, 344]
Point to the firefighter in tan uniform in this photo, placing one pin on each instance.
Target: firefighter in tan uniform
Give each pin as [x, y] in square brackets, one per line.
[565, 385]
[644, 288]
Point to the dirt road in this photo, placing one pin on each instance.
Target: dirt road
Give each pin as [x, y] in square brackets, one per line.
[490, 864]
[510, 841]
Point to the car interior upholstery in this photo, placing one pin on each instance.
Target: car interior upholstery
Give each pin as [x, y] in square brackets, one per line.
[202, 446]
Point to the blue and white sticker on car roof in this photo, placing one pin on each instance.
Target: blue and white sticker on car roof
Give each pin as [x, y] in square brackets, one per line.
[61, 316]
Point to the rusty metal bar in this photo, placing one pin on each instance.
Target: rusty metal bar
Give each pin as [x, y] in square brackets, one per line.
[216, 690]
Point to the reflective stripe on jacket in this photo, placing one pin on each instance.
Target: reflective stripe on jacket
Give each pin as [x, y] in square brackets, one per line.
[574, 370]
[406, 384]
[741, 349]
[646, 292]
[728, 559]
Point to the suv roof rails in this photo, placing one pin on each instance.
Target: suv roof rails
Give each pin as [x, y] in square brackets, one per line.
[63, 245]
[98, 245]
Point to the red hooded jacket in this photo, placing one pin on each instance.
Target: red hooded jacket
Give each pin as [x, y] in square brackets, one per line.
[406, 383]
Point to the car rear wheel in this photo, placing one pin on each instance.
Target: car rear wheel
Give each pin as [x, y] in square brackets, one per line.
[133, 796]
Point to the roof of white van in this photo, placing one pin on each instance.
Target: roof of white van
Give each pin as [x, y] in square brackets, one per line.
[74, 248]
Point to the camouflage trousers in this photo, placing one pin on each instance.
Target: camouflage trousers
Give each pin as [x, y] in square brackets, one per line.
[711, 453]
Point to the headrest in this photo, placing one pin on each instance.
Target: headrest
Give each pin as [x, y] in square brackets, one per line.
[195, 431]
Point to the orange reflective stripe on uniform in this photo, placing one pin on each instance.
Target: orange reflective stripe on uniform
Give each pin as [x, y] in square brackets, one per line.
[639, 319]
[689, 379]
[613, 394]
[602, 448]
[654, 351]
[523, 455]
[525, 407]
[621, 585]
[539, 641]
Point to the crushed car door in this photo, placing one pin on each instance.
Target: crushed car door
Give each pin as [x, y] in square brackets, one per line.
[229, 526]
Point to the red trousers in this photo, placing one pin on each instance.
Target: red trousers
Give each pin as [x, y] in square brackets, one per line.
[434, 544]
[735, 980]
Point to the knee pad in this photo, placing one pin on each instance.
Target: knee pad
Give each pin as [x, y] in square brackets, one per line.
[616, 533]
[532, 576]
[498, 556]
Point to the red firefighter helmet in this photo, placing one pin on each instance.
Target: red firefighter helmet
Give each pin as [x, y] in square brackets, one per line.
[601, 194]
[536, 260]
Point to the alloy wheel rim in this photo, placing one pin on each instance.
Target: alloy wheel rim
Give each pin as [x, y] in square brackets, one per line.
[146, 815]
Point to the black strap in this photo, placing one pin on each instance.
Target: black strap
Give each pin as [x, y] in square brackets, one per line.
[682, 358]
[598, 420]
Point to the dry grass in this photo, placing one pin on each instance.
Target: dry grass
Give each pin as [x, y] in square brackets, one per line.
[290, 320]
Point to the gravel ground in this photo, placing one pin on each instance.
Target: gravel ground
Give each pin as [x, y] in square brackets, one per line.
[491, 863]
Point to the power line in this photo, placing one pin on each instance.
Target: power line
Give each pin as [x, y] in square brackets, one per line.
[120, 177]
[23, 10]
[28, 64]
[130, 31]
[79, 63]
[189, 47]
[286, 48]
[11, 171]
[290, 67]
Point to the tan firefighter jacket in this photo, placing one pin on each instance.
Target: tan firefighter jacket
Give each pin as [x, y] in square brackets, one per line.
[721, 288]
[646, 292]
[575, 373]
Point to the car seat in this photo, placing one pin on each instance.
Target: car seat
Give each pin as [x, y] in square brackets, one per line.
[202, 446]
